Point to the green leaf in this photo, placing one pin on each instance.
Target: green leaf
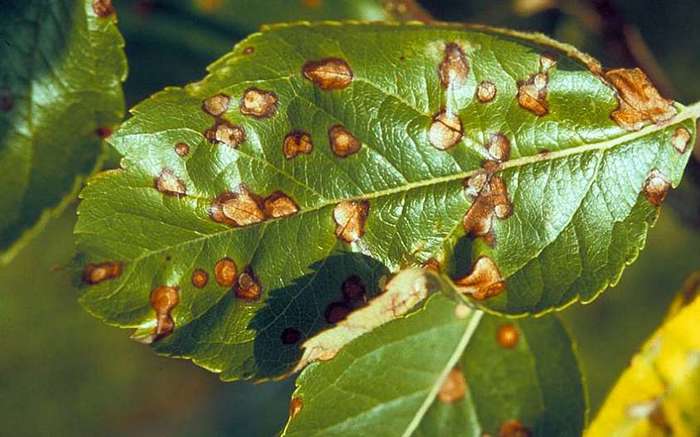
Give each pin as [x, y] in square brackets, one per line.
[659, 393]
[60, 90]
[434, 373]
[349, 129]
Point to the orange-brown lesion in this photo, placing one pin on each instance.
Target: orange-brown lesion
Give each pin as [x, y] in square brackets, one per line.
[329, 73]
[350, 217]
[639, 102]
[96, 273]
[485, 280]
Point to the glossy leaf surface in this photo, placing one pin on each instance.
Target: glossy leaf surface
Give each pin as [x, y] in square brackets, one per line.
[60, 91]
[313, 154]
[434, 373]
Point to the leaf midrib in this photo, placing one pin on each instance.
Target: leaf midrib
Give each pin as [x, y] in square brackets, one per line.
[690, 112]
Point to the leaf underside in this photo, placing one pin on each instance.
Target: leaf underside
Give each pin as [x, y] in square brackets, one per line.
[360, 138]
[425, 382]
[60, 82]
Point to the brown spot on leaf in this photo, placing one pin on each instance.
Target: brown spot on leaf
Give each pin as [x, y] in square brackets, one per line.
[169, 184]
[445, 130]
[656, 187]
[225, 272]
[290, 336]
[279, 204]
[337, 312]
[483, 282]
[297, 143]
[328, 74]
[6, 100]
[350, 217]
[258, 103]
[681, 139]
[513, 428]
[102, 8]
[216, 105]
[248, 50]
[295, 406]
[354, 291]
[507, 336]
[103, 132]
[453, 388]
[454, 67]
[163, 300]
[490, 199]
[209, 5]
[96, 273]
[311, 3]
[343, 143]
[532, 94]
[224, 132]
[432, 264]
[182, 149]
[639, 102]
[486, 91]
[239, 208]
[498, 147]
[248, 286]
[200, 278]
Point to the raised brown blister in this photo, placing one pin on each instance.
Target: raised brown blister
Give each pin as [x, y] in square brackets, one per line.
[483, 282]
[182, 149]
[258, 103]
[279, 204]
[454, 68]
[681, 139]
[295, 406]
[328, 74]
[486, 91]
[507, 336]
[163, 300]
[498, 147]
[453, 388]
[639, 102]
[445, 130]
[169, 184]
[96, 273]
[297, 143]
[656, 187]
[224, 132]
[350, 217]
[490, 198]
[225, 272]
[102, 8]
[216, 105]
[239, 208]
[343, 142]
[200, 278]
[532, 94]
[248, 286]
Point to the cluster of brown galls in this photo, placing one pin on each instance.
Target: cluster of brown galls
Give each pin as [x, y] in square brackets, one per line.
[639, 103]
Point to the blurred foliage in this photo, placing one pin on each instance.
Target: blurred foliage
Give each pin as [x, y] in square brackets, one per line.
[64, 373]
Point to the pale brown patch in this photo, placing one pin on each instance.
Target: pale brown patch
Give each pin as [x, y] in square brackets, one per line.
[249, 50]
[453, 388]
[507, 336]
[200, 278]
[337, 312]
[445, 130]
[216, 105]
[656, 187]
[297, 143]
[343, 143]
[548, 60]
[96, 273]
[163, 300]
[532, 94]
[483, 282]
[169, 184]
[102, 8]
[454, 67]
[639, 102]
[258, 103]
[328, 74]
[279, 204]
[240, 208]
[498, 147]
[224, 132]
[486, 91]
[513, 428]
[350, 218]
[681, 139]
[354, 291]
[248, 286]
[182, 149]
[491, 200]
[295, 406]
[225, 272]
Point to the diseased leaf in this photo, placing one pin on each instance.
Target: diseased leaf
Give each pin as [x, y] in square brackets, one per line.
[658, 394]
[414, 376]
[60, 92]
[313, 154]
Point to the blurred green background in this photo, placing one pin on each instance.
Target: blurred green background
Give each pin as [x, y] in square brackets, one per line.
[63, 373]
